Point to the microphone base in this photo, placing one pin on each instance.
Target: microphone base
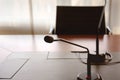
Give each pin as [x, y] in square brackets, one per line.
[83, 76]
[102, 58]
[97, 58]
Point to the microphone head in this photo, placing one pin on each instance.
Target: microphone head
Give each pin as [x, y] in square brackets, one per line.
[48, 39]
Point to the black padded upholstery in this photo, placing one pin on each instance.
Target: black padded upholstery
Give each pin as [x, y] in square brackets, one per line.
[79, 20]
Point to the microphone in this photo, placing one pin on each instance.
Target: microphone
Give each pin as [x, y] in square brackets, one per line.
[98, 58]
[83, 76]
[48, 39]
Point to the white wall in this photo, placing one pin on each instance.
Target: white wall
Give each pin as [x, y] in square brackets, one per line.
[27, 16]
[15, 16]
[44, 13]
[115, 16]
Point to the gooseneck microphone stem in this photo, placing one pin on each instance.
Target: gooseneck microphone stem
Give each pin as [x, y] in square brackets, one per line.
[99, 25]
[97, 45]
[88, 59]
[50, 40]
[103, 57]
[85, 76]
[72, 43]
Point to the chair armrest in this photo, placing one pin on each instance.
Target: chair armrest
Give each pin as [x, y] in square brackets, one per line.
[108, 30]
[52, 30]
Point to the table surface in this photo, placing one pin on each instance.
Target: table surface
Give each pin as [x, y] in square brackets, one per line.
[21, 43]
[54, 61]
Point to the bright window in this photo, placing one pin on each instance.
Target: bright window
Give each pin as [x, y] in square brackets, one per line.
[35, 16]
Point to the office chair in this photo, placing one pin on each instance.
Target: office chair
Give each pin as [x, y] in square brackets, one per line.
[79, 20]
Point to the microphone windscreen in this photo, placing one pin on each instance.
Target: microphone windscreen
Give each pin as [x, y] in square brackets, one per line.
[48, 39]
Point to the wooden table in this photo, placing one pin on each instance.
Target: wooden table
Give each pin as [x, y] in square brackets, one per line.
[54, 61]
[108, 43]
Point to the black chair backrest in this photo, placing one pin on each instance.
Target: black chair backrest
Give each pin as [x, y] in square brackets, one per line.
[79, 20]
